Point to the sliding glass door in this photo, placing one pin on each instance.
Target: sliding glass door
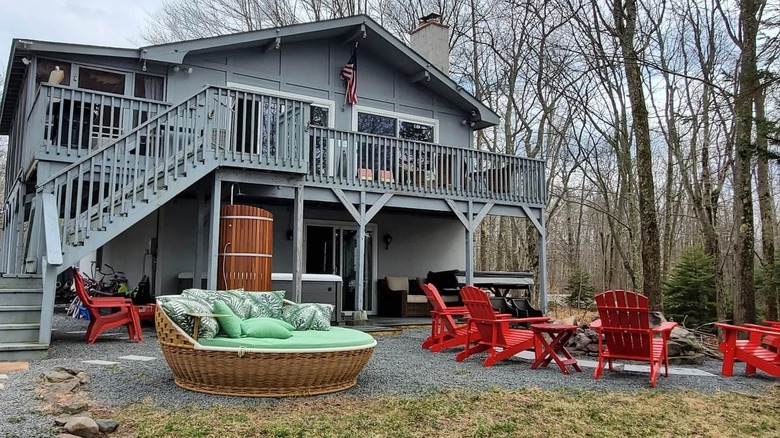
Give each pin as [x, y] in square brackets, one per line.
[332, 248]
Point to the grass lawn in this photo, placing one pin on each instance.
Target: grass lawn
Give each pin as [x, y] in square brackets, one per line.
[490, 413]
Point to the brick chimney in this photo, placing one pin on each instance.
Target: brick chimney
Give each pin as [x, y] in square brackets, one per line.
[431, 40]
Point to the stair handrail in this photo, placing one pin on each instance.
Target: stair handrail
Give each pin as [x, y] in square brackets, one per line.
[105, 147]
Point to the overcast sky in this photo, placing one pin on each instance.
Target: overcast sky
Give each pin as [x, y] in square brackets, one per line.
[101, 22]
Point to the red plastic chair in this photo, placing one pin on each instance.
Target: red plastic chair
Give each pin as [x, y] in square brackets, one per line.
[494, 329]
[445, 333]
[625, 324]
[124, 312]
[759, 351]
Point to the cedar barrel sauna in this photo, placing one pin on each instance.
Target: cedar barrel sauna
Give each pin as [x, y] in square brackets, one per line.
[245, 248]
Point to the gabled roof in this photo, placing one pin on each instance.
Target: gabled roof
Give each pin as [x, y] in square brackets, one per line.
[361, 28]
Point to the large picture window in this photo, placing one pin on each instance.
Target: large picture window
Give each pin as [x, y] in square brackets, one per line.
[395, 125]
[100, 80]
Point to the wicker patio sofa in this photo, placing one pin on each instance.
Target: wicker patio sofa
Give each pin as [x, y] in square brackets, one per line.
[273, 370]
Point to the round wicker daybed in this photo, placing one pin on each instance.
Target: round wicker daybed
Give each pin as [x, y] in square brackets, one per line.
[257, 373]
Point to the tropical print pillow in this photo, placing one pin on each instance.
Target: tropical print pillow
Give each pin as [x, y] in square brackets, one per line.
[308, 316]
[266, 304]
[177, 307]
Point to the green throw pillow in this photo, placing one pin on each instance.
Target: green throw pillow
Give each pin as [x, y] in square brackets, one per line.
[308, 316]
[266, 304]
[177, 307]
[264, 328]
[229, 324]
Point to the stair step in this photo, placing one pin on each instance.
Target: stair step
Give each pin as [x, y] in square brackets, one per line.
[19, 332]
[22, 351]
[15, 283]
[21, 297]
[20, 314]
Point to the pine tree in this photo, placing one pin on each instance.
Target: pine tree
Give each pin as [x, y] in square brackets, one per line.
[689, 292]
[580, 288]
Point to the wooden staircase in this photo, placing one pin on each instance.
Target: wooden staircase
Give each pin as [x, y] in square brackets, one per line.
[20, 318]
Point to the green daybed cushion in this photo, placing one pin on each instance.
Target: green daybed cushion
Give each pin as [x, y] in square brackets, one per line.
[229, 324]
[336, 337]
[264, 328]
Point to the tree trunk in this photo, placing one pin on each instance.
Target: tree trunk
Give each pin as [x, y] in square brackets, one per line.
[766, 204]
[744, 291]
[625, 16]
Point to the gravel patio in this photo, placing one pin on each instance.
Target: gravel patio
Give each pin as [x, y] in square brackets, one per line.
[134, 372]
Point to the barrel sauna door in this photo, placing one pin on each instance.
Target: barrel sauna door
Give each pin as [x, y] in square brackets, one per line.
[245, 248]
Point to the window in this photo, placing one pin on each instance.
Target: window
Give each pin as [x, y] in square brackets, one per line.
[320, 116]
[53, 72]
[396, 125]
[100, 80]
[149, 87]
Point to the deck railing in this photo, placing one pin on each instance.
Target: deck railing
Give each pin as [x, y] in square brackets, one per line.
[76, 121]
[346, 158]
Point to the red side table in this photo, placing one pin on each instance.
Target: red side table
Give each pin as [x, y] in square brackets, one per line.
[560, 334]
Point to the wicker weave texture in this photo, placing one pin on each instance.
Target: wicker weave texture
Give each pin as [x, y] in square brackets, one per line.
[256, 374]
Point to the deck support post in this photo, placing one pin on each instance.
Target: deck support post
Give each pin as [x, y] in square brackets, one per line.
[201, 222]
[216, 201]
[362, 217]
[542, 235]
[297, 272]
[470, 222]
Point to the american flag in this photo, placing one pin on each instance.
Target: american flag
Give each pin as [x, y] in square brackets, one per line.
[349, 74]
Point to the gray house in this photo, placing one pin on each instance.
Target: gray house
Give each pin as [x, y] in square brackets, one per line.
[125, 155]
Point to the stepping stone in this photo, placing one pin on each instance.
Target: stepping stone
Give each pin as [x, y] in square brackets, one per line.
[141, 358]
[3, 376]
[8, 367]
[100, 362]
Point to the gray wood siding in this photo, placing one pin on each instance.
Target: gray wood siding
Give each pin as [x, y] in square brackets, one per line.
[312, 69]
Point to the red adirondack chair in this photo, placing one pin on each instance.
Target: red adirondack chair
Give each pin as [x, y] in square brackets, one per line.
[625, 324]
[754, 351]
[445, 333]
[494, 329]
[124, 312]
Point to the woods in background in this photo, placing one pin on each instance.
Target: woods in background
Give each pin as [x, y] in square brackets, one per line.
[657, 119]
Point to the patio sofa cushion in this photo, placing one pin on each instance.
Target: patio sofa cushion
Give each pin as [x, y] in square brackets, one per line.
[230, 324]
[244, 304]
[308, 316]
[336, 337]
[177, 307]
[264, 328]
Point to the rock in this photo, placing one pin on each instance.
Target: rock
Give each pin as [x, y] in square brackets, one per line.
[581, 341]
[64, 418]
[67, 435]
[2, 386]
[62, 387]
[83, 377]
[56, 376]
[3, 376]
[685, 339]
[673, 348]
[75, 407]
[84, 427]
[656, 318]
[71, 371]
[593, 348]
[107, 425]
[695, 359]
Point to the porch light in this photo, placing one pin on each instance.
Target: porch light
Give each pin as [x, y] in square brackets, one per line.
[388, 238]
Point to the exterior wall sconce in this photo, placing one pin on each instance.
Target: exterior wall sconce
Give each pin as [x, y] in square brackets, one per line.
[178, 68]
[387, 238]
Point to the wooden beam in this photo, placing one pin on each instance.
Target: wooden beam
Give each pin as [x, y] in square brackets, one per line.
[51, 233]
[539, 227]
[297, 292]
[481, 215]
[274, 44]
[420, 76]
[381, 202]
[360, 31]
[361, 255]
[216, 202]
[348, 205]
[456, 210]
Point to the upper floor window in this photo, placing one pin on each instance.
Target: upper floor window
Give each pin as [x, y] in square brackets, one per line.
[100, 80]
[395, 125]
[149, 87]
[53, 72]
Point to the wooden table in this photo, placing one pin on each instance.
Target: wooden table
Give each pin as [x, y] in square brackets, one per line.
[560, 334]
[196, 321]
